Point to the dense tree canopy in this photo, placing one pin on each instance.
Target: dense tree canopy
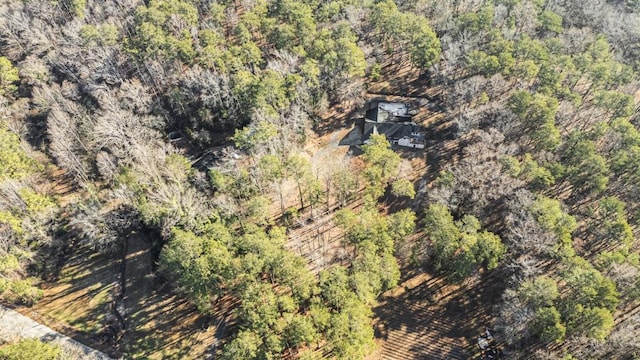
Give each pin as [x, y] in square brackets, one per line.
[459, 247]
[210, 126]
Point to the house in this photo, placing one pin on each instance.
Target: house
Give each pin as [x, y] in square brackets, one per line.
[388, 118]
[387, 112]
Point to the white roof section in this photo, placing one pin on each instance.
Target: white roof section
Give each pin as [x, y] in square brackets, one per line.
[394, 109]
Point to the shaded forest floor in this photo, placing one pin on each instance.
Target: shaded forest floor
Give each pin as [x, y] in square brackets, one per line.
[427, 318]
[120, 307]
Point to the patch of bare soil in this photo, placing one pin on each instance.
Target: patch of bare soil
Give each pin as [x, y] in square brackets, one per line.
[319, 240]
[61, 185]
[427, 318]
[405, 80]
[338, 118]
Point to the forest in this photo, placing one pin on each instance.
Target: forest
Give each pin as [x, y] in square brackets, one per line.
[171, 184]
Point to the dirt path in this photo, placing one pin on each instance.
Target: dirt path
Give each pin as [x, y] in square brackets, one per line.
[15, 325]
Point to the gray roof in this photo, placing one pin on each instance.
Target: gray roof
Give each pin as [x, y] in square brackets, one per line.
[390, 130]
[388, 112]
[388, 118]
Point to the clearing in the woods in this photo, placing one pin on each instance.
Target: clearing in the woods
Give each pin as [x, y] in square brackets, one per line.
[426, 317]
[117, 304]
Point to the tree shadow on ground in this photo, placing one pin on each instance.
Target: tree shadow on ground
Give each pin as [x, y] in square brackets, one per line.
[436, 320]
[123, 309]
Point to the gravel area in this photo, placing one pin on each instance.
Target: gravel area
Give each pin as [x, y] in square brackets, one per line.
[15, 325]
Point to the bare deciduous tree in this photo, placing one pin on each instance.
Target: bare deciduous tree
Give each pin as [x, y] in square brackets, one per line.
[67, 144]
